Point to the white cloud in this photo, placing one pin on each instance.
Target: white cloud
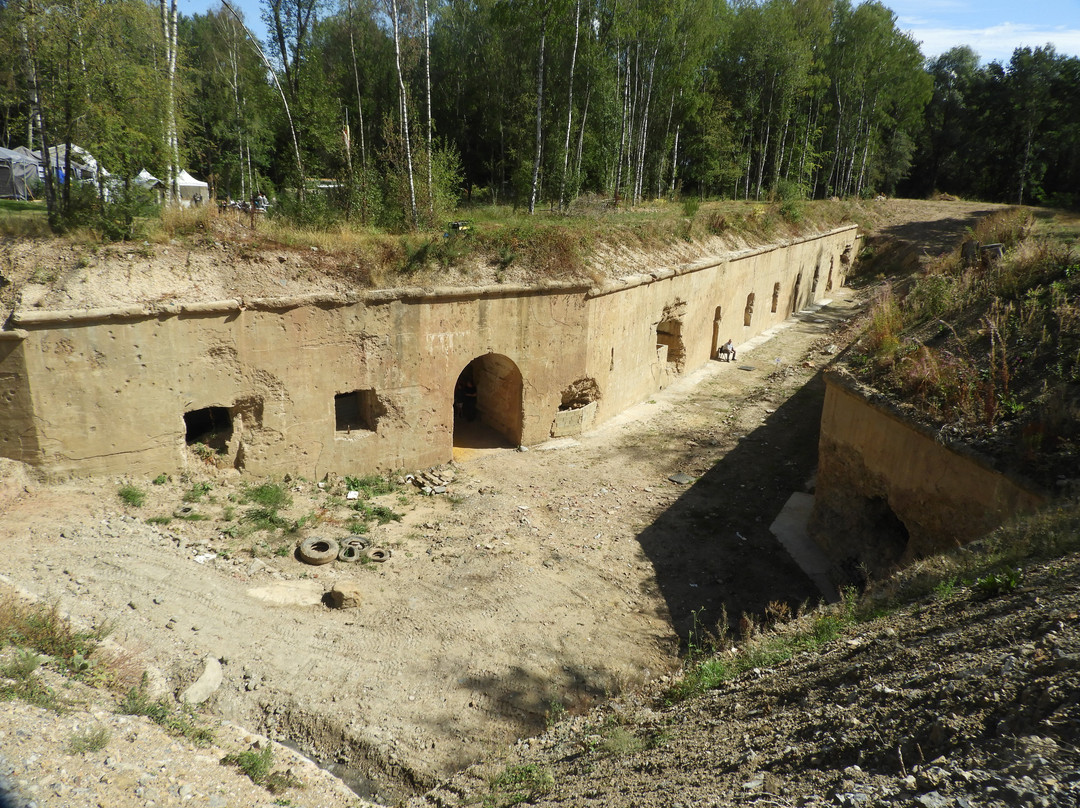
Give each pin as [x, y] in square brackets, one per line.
[997, 42]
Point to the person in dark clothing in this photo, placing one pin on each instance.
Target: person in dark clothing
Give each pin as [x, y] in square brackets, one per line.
[469, 397]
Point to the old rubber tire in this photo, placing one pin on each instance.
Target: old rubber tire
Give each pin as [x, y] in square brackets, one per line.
[355, 540]
[378, 554]
[350, 552]
[317, 551]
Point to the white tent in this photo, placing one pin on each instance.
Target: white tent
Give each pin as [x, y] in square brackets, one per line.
[189, 186]
[145, 179]
[83, 164]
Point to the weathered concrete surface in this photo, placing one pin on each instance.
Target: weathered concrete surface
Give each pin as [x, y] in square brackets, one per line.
[889, 493]
[365, 382]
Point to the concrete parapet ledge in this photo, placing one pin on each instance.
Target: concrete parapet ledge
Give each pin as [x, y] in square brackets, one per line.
[630, 281]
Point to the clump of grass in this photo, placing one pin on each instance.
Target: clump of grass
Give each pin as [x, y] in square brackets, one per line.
[182, 723]
[90, 740]
[268, 499]
[706, 670]
[882, 336]
[372, 485]
[19, 680]
[131, 495]
[376, 513]
[556, 712]
[268, 495]
[618, 741]
[258, 765]
[518, 784]
[42, 629]
[197, 492]
[999, 582]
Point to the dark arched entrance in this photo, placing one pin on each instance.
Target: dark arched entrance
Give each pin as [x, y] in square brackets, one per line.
[488, 403]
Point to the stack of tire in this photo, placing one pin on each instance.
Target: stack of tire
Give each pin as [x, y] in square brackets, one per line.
[318, 551]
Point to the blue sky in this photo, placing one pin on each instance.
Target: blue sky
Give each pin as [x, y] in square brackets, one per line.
[993, 28]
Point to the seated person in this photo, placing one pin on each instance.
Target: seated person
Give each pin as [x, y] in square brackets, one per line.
[726, 352]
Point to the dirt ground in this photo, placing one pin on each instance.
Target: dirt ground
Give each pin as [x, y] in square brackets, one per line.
[542, 581]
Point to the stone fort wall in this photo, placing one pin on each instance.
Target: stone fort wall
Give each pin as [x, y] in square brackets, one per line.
[366, 382]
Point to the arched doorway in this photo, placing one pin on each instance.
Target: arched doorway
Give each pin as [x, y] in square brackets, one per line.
[488, 403]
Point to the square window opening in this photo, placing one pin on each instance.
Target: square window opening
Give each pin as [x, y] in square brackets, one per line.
[357, 411]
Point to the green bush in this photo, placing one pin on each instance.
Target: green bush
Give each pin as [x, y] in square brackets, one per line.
[131, 495]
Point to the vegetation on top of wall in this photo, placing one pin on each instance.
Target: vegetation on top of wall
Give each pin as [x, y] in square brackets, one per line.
[984, 343]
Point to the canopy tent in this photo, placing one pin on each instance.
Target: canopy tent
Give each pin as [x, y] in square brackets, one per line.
[17, 173]
[189, 187]
[83, 164]
[144, 179]
[148, 180]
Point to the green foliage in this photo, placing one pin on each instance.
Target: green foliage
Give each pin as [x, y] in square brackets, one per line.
[256, 764]
[161, 479]
[182, 723]
[131, 495]
[18, 681]
[999, 582]
[378, 513]
[89, 740]
[42, 629]
[197, 492]
[556, 712]
[370, 486]
[705, 670]
[519, 784]
[268, 495]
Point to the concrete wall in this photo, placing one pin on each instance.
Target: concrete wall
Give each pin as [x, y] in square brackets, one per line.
[106, 391]
[889, 493]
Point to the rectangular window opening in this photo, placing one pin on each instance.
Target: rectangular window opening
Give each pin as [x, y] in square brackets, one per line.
[357, 411]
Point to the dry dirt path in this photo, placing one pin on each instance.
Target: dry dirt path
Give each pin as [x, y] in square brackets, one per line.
[547, 579]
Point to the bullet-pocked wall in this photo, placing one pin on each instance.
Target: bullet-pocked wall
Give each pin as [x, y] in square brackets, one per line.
[366, 382]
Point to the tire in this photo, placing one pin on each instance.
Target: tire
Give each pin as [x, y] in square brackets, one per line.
[350, 552]
[378, 554]
[317, 551]
[356, 540]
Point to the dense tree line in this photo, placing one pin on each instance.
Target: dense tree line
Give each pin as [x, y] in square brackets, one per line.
[405, 105]
[1010, 132]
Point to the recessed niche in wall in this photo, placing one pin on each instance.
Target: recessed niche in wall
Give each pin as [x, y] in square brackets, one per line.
[357, 411]
[210, 426]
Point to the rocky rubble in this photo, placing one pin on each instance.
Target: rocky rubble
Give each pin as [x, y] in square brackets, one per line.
[958, 703]
[139, 764]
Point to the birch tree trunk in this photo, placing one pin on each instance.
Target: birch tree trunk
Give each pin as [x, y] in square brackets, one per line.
[404, 108]
[172, 140]
[427, 71]
[360, 121]
[284, 101]
[539, 113]
[569, 106]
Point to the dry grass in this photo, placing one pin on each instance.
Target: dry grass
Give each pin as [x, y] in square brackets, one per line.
[35, 628]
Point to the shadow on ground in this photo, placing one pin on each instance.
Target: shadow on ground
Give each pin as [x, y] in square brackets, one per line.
[935, 237]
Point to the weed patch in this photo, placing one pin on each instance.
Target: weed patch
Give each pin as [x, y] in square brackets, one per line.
[182, 723]
[258, 765]
[90, 740]
[519, 784]
[131, 495]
